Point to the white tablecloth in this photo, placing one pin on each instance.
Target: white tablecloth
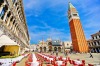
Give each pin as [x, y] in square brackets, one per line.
[77, 62]
[51, 59]
[35, 64]
[59, 62]
[9, 61]
[34, 58]
[64, 58]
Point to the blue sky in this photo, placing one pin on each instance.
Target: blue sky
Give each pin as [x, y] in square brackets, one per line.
[48, 18]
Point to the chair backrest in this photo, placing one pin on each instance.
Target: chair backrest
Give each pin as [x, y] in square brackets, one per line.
[14, 64]
[90, 65]
[83, 61]
[81, 65]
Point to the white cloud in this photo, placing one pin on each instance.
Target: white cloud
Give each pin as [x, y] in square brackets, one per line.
[88, 10]
[31, 4]
[51, 32]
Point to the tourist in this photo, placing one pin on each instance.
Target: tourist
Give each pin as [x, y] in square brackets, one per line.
[56, 53]
[91, 55]
[66, 53]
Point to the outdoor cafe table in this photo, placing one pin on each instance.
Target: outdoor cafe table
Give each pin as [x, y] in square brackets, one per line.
[35, 63]
[64, 58]
[59, 62]
[77, 62]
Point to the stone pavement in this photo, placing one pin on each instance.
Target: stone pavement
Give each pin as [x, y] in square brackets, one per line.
[22, 62]
[94, 60]
[85, 56]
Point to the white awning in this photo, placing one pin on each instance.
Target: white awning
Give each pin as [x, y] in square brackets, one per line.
[26, 49]
[5, 40]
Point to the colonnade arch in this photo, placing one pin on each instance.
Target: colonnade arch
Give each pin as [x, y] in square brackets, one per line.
[57, 49]
[50, 46]
[43, 49]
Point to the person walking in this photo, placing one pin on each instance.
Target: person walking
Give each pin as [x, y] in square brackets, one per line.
[91, 55]
[66, 53]
[56, 53]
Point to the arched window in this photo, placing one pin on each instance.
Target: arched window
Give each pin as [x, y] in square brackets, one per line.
[1, 2]
[16, 4]
[59, 49]
[55, 49]
[17, 7]
[13, 22]
[44, 49]
[94, 43]
[3, 11]
[67, 44]
[5, 8]
[40, 49]
[99, 36]
[11, 18]
[15, 25]
[49, 43]
[89, 44]
[8, 15]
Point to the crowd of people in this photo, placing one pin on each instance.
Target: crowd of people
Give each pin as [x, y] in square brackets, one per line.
[68, 52]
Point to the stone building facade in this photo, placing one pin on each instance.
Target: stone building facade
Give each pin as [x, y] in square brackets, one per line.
[42, 46]
[94, 43]
[13, 27]
[68, 46]
[50, 46]
[33, 47]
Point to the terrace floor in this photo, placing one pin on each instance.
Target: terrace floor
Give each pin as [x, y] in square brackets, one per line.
[95, 60]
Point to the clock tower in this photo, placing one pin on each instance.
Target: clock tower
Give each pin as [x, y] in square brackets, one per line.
[77, 34]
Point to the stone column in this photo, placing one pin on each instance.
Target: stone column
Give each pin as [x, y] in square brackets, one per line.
[14, 28]
[5, 15]
[95, 50]
[11, 24]
[99, 50]
[9, 20]
[96, 43]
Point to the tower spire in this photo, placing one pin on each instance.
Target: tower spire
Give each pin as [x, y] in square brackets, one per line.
[68, 1]
[70, 6]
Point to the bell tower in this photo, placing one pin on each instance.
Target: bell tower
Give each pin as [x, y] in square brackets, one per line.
[77, 34]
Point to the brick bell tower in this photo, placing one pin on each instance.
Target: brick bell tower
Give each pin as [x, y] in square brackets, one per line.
[77, 35]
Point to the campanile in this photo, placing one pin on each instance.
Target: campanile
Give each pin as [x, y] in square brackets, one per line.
[77, 34]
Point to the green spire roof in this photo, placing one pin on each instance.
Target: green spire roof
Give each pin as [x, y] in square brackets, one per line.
[70, 6]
